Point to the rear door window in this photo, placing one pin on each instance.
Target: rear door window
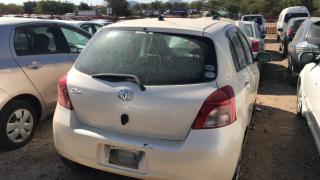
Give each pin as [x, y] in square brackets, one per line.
[36, 40]
[156, 58]
[241, 56]
[76, 41]
[246, 48]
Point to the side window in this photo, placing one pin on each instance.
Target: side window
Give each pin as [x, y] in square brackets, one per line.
[238, 49]
[234, 56]
[299, 33]
[36, 40]
[246, 47]
[89, 28]
[75, 40]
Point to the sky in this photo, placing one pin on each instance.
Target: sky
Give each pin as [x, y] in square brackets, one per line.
[93, 2]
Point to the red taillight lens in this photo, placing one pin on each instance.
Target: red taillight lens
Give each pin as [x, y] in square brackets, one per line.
[218, 110]
[255, 46]
[63, 94]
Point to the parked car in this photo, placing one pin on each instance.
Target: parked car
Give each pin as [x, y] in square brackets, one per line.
[102, 22]
[90, 27]
[307, 39]
[288, 33]
[34, 54]
[256, 36]
[159, 99]
[308, 96]
[257, 18]
[289, 13]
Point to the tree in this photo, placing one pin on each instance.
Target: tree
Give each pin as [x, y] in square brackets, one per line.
[13, 9]
[119, 7]
[84, 6]
[197, 4]
[29, 7]
[66, 7]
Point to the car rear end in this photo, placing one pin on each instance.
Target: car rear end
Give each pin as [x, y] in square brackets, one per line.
[146, 104]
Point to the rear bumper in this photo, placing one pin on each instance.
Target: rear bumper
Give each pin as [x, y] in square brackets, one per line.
[204, 154]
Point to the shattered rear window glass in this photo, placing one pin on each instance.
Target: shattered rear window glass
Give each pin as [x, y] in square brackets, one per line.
[155, 58]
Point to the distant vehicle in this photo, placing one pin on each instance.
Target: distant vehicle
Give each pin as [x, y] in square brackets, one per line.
[87, 13]
[258, 18]
[289, 13]
[148, 90]
[307, 39]
[102, 22]
[34, 54]
[288, 34]
[308, 96]
[89, 26]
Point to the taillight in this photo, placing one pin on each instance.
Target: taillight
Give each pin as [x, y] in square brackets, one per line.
[63, 94]
[255, 46]
[218, 110]
[290, 33]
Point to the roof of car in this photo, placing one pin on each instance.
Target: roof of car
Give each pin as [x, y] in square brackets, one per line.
[296, 8]
[298, 18]
[200, 24]
[13, 20]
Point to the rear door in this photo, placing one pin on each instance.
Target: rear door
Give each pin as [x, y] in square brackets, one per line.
[41, 55]
[178, 72]
[244, 73]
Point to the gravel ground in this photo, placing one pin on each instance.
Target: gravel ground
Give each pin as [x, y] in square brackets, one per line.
[279, 145]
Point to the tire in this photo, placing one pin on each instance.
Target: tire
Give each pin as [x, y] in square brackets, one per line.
[299, 102]
[17, 124]
[292, 79]
[284, 49]
[71, 164]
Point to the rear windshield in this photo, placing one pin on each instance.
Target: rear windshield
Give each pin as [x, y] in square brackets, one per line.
[314, 34]
[294, 15]
[249, 30]
[155, 58]
[257, 19]
[296, 24]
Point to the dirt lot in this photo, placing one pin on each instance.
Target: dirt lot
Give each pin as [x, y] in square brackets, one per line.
[279, 145]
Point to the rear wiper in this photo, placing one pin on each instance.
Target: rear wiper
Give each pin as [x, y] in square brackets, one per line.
[120, 77]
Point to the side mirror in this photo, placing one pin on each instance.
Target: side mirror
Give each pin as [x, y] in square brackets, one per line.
[280, 29]
[263, 36]
[308, 57]
[263, 57]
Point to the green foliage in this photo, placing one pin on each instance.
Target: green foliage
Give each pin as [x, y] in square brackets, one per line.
[119, 7]
[29, 7]
[83, 6]
[11, 9]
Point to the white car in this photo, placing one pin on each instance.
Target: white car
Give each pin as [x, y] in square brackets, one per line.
[257, 18]
[308, 97]
[289, 13]
[156, 99]
[90, 27]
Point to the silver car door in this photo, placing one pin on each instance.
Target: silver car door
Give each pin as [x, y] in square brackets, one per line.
[38, 51]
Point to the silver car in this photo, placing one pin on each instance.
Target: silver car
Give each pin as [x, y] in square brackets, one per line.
[89, 26]
[33, 55]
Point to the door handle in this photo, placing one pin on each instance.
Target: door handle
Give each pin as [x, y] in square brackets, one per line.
[34, 65]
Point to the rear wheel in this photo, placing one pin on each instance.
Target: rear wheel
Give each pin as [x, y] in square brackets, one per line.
[17, 124]
[292, 79]
[284, 49]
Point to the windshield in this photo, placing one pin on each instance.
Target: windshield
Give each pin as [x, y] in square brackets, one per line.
[257, 19]
[294, 15]
[249, 30]
[155, 58]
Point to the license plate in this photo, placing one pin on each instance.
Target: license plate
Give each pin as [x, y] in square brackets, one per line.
[125, 158]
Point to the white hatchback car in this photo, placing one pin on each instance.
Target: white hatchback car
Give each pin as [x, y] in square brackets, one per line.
[159, 99]
[308, 93]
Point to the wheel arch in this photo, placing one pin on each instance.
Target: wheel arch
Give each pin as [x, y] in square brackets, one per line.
[32, 100]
